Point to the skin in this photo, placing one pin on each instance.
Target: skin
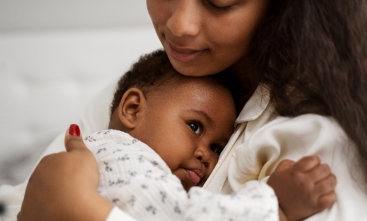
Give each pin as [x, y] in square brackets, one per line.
[186, 120]
[303, 188]
[207, 36]
[72, 198]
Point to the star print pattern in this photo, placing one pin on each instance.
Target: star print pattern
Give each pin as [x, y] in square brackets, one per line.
[135, 179]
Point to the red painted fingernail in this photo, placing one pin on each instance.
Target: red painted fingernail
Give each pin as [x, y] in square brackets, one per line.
[74, 130]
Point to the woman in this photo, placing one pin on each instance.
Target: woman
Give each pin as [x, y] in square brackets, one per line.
[303, 67]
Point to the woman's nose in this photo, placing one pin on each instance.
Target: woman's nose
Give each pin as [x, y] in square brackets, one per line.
[185, 18]
[203, 154]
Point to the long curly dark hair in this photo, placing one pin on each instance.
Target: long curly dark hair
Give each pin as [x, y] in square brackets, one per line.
[312, 54]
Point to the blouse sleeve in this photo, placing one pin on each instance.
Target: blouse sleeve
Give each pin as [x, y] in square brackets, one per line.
[118, 215]
[165, 200]
[255, 201]
[293, 138]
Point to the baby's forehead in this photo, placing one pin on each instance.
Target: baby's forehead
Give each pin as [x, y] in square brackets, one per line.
[176, 80]
[184, 89]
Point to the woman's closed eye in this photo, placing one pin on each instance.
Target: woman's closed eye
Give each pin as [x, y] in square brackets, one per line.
[216, 148]
[217, 7]
[196, 127]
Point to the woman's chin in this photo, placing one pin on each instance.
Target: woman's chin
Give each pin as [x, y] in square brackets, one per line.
[191, 70]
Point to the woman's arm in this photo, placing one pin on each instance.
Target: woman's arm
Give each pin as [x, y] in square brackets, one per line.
[64, 186]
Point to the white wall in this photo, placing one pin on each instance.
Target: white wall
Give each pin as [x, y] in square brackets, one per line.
[24, 15]
[54, 56]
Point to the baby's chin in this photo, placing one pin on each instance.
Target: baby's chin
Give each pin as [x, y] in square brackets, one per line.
[201, 183]
[188, 186]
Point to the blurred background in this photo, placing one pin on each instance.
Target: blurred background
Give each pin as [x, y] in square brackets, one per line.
[54, 56]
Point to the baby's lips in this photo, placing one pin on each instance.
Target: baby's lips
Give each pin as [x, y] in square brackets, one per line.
[194, 176]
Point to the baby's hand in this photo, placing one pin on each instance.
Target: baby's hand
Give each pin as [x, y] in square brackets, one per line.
[303, 188]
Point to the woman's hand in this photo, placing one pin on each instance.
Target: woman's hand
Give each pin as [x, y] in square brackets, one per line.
[64, 186]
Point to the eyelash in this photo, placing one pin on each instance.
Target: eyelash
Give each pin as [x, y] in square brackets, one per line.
[200, 127]
[218, 148]
[221, 9]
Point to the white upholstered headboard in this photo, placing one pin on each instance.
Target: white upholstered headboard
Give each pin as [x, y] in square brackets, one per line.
[47, 77]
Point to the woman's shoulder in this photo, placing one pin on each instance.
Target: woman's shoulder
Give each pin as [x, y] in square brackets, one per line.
[262, 131]
[260, 116]
[294, 137]
[306, 123]
[306, 127]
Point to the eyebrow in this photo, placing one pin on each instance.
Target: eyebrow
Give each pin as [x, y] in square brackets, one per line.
[205, 115]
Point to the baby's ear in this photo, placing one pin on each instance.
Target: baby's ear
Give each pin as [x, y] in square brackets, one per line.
[132, 102]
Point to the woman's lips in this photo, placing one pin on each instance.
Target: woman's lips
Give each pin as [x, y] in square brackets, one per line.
[183, 54]
[194, 176]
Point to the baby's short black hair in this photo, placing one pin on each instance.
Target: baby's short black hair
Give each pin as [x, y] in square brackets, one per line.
[154, 67]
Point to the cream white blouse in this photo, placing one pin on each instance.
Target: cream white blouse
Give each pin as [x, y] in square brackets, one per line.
[261, 140]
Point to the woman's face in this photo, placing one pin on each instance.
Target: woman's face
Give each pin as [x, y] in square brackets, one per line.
[203, 37]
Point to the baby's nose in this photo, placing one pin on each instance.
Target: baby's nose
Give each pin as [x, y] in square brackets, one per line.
[203, 154]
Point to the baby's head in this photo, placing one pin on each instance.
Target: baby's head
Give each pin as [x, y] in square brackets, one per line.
[186, 120]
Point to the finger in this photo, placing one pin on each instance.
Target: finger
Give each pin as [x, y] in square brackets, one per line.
[307, 163]
[327, 200]
[284, 165]
[326, 185]
[74, 130]
[19, 216]
[319, 172]
[73, 139]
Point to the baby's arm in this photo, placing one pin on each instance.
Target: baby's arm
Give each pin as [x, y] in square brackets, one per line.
[156, 197]
[136, 179]
[255, 200]
[303, 188]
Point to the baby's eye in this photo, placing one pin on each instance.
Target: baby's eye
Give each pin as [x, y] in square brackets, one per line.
[216, 148]
[196, 127]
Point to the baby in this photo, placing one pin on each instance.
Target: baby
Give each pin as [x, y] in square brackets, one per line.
[165, 136]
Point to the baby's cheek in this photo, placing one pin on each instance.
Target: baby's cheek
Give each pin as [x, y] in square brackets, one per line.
[209, 170]
[181, 175]
[213, 163]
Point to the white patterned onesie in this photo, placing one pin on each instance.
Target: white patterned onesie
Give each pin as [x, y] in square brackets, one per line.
[135, 178]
